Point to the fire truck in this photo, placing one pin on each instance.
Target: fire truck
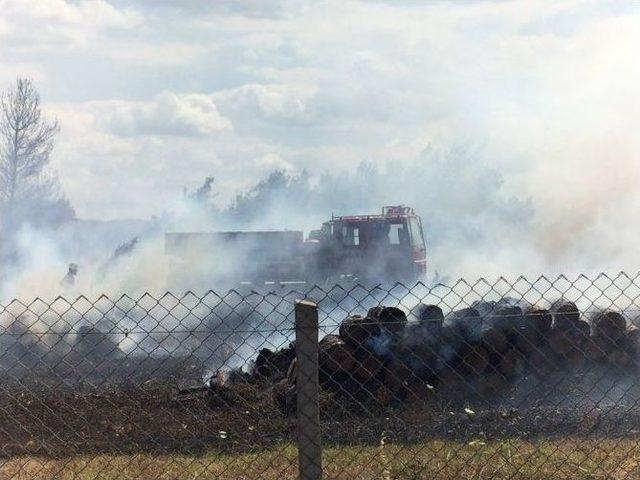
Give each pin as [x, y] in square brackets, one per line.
[384, 247]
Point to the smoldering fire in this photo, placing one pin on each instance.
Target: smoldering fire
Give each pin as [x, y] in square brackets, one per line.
[491, 351]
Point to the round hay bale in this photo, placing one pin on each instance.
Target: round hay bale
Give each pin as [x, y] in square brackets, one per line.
[392, 318]
[495, 340]
[397, 374]
[467, 324]
[632, 344]
[595, 350]
[527, 340]
[356, 329]
[538, 319]
[428, 315]
[335, 355]
[541, 361]
[422, 359]
[565, 314]
[609, 325]
[582, 330]
[505, 318]
[620, 359]
[561, 342]
[367, 366]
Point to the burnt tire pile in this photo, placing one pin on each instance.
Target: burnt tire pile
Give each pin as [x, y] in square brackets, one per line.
[474, 352]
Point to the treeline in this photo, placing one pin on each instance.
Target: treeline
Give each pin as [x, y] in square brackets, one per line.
[460, 198]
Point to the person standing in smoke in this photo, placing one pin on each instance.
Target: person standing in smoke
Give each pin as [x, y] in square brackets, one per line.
[69, 279]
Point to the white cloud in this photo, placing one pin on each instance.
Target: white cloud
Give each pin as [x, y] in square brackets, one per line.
[272, 161]
[43, 25]
[158, 54]
[549, 90]
[4, 27]
[269, 9]
[136, 176]
[167, 114]
[271, 102]
[9, 73]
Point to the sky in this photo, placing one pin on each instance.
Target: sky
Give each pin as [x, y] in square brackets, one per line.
[154, 96]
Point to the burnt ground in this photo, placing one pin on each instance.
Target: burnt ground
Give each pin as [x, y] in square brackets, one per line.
[56, 421]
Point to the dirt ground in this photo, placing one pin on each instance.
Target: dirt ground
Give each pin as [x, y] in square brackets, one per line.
[153, 419]
[130, 421]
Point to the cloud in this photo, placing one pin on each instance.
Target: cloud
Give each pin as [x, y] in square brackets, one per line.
[9, 73]
[174, 54]
[268, 101]
[44, 25]
[270, 162]
[270, 9]
[167, 114]
[546, 91]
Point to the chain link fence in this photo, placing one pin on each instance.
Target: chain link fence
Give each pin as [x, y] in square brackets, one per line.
[503, 379]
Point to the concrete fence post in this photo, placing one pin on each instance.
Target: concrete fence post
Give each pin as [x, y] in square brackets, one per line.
[307, 391]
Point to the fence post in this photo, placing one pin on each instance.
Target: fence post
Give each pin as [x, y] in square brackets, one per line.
[307, 391]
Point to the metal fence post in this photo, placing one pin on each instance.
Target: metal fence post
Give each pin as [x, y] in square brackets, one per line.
[307, 390]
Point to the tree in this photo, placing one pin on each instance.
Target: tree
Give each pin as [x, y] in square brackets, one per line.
[26, 141]
[204, 193]
[256, 202]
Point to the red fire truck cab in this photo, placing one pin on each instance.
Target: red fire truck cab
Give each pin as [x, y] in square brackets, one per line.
[385, 247]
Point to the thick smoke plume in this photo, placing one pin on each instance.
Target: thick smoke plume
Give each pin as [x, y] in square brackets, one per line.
[473, 229]
[476, 214]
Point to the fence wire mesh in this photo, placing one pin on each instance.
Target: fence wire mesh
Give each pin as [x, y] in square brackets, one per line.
[502, 379]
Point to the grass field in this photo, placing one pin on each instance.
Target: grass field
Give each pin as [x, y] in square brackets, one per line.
[558, 459]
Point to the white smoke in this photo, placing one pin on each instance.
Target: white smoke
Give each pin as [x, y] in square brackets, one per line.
[40, 257]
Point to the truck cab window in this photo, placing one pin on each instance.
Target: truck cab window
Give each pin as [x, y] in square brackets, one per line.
[416, 232]
[397, 234]
[350, 236]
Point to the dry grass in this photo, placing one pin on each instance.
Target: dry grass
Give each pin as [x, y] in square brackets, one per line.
[517, 459]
